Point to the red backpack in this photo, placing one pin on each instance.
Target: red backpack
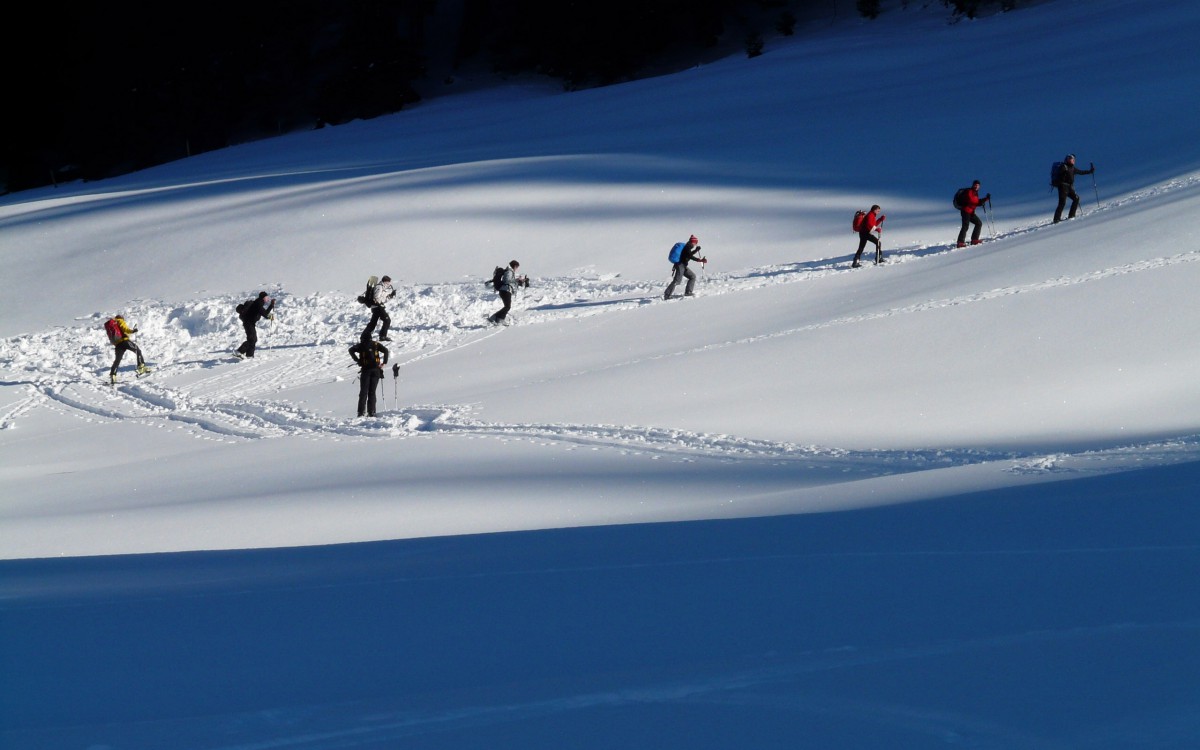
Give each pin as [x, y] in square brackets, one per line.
[857, 225]
[113, 329]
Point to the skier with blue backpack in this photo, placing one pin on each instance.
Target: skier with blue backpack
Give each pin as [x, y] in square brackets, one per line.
[681, 254]
[1062, 176]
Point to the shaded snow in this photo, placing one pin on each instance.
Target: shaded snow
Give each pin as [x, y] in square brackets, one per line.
[949, 500]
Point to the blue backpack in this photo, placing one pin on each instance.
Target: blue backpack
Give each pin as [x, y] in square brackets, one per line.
[676, 253]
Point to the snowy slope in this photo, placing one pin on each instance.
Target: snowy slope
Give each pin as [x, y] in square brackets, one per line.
[966, 467]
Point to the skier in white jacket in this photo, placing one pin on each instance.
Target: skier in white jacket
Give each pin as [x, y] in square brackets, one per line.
[383, 292]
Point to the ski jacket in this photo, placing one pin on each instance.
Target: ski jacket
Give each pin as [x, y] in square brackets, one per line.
[689, 254]
[870, 223]
[369, 355]
[973, 201]
[258, 309]
[125, 329]
[1066, 175]
[508, 282]
[383, 292]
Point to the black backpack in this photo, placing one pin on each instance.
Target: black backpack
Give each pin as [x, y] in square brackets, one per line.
[1056, 173]
[498, 278]
[960, 198]
[368, 297]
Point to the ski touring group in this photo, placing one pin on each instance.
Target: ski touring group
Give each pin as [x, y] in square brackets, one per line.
[370, 354]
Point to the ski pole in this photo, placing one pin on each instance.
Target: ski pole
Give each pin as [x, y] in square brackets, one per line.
[396, 384]
[1094, 188]
[382, 391]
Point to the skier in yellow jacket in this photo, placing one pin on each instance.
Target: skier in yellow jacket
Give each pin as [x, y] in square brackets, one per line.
[118, 333]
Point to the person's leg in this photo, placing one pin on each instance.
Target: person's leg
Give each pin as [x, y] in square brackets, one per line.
[978, 228]
[1062, 201]
[251, 338]
[502, 313]
[117, 359]
[362, 393]
[962, 232]
[387, 323]
[677, 275]
[1074, 203]
[372, 377]
[862, 243]
[691, 285]
[878, 248]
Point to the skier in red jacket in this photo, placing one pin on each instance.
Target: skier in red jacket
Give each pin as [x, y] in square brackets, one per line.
[867, 231]
[971, 201]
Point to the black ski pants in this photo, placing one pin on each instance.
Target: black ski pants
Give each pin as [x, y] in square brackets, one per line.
[379, 314]
[251, 341]
[368, 382]
[1066, 191]
[680, 271]
[967, 219]
[502, 313]
[123, 347]
[863, 239]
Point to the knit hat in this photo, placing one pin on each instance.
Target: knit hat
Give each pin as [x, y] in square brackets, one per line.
[386, 278]
[693, 240]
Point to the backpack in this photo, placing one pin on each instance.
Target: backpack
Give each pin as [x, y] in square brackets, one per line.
[1056, 173]
[857, 224]
[368, 297]
[960, 198]
[241, 308]
[498, 278]
[676, 253]
[113, 329]
[371, 356]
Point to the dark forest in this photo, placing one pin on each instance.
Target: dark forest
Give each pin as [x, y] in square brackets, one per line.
[106, 89]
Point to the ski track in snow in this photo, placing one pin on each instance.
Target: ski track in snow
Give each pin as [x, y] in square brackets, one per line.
[65, 369]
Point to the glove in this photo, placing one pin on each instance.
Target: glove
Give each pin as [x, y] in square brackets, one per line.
[271, 316]
[1092, 165]
[881, 218]
[987, 197]
[704, 261]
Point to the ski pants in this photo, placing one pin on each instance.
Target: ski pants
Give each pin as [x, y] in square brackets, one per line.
[1066, 191]
[251, 341]
[379, 314]
[680, 271]
[368, 382]
[863, 239]
[122, 347]
[969, 218]
[502, 313]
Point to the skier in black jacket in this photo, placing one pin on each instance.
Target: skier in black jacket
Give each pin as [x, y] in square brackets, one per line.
[252, 311]
[370, 356]
[1066, 186]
